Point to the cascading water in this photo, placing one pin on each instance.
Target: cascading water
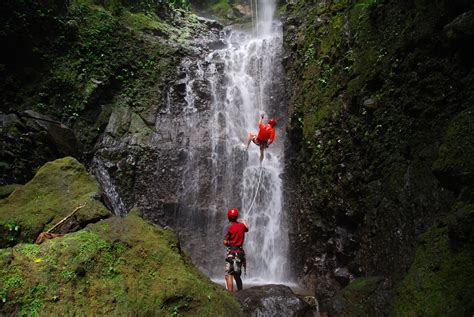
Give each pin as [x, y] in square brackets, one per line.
[242, 81]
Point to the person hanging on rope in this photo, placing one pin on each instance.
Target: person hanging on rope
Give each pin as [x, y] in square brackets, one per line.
[235, 255]
[265, 136]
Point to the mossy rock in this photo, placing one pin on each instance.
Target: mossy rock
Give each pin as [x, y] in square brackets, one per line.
[119, 267]
[56, 190]
[6, 190]
[455, 163]
[439, 282]
[364, 296]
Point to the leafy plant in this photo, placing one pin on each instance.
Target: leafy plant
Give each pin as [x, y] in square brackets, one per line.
[13, 232]
[369, 3]
[3, 295]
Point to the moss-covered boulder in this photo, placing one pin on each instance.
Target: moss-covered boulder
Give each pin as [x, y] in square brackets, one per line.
[455, 163]
[439, 282]
[365, 296]
[56, 190]
[119, 267]
[6, 190]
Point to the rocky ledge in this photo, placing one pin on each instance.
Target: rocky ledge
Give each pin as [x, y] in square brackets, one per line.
[273, 300]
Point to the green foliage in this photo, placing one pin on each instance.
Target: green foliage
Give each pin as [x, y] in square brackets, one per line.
[222, 7]
[369, 3]
[90, 55]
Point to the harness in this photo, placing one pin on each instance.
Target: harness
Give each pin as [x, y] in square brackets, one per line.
[235, 256]
[235, 248]
[260, 142]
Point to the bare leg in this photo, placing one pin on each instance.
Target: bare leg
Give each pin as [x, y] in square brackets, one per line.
[238, 281]
[261, 153]
[251, 136]
[229, 283]
[248, 142]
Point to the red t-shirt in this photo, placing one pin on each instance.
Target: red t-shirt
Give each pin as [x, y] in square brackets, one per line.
[266, 132]
[236, 234]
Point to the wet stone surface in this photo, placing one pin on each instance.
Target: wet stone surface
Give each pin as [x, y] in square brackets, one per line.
[273, 300]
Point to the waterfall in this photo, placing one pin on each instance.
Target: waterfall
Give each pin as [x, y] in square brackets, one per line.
[240, 82]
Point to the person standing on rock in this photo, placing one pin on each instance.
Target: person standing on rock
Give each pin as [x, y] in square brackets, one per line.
[235, 256]
[265, 136]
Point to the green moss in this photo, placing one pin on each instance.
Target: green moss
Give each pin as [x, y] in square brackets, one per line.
[6, 190]
[142, 21]
[358, 298]
[222, 7]
[439, 282]
[120, 266]
[57, 188]
[455, 162]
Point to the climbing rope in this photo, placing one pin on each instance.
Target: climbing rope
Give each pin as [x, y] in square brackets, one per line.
[256, 191]
[256, 15]
[251, 10]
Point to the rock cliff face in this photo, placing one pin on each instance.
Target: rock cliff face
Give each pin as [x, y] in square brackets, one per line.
[74, 64]
[380, 103]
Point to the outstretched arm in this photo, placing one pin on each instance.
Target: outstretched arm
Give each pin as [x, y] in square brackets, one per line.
[261, 118]
[244, 222]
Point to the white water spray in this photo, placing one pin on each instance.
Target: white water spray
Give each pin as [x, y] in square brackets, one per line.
[241, 80]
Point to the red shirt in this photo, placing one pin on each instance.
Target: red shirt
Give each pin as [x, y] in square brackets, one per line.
[266, 132]
[236, 234]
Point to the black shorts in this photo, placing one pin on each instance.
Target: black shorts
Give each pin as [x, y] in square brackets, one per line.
[234, 262]
[260, 142]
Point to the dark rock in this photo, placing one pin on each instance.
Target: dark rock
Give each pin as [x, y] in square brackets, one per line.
[454, 165]
[216, 45]
[212, 24]
[30, 139]
[272, 300]
[61, 136]
[461, 27]
[461, 226]
[371, 104]
[342, 275]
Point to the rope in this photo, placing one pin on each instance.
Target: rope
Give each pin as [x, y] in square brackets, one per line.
[256, 191]
[256, 14]
[251, 9]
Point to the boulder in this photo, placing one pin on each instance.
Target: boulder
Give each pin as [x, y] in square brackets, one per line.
[28, 140]
[6, 190]
[462, 27]
[60, 135]
[272, 300]
[439, 281]
[454, 165]
[55, 191]
[116, 267]
[366, 296]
